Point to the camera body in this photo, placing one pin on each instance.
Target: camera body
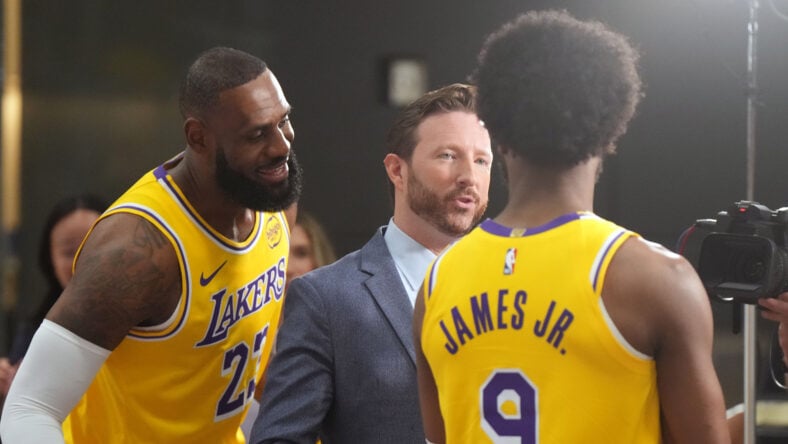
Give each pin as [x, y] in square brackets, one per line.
[741, 255]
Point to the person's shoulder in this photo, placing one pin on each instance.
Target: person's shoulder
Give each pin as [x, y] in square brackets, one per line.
[336, 274]
[650, 291]
[646, 258]
[342, 265]
[655, 273]
[327, 288]
[348, 268]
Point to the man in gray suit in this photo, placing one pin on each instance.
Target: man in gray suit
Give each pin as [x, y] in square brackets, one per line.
[344, 367]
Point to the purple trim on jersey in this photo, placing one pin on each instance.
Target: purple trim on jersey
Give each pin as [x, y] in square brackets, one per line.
[160, 173]
[185, 270]
[431, 281]
[205, 228]
[497, 229]
[604, 255]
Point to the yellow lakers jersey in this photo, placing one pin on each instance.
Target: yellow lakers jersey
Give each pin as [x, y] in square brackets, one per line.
[521, 346]
[191, 379]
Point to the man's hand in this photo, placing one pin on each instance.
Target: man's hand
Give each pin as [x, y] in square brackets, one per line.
[777, 310]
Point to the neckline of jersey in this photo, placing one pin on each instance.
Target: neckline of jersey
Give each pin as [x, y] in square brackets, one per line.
[493, 227]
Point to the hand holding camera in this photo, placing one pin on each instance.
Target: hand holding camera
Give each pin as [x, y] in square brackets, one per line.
[741, 255]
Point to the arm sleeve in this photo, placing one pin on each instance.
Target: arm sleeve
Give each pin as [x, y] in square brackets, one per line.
[299, 381]
[56, 371]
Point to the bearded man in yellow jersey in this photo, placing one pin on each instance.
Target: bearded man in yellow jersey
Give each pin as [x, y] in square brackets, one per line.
[167, 324]
[549, 324]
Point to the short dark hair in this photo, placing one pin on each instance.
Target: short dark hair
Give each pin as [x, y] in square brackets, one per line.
[557, 90]
[401, 137]
[59, 212]
[216, 70]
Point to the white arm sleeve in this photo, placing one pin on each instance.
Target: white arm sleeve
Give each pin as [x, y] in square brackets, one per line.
[58, 368]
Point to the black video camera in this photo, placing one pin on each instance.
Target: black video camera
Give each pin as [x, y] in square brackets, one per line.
[741, 255]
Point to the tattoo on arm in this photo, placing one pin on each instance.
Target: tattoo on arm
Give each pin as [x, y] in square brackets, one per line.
[120, 284]
[147, 236]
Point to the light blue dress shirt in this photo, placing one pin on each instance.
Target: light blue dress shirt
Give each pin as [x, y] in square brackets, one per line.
[410, 257]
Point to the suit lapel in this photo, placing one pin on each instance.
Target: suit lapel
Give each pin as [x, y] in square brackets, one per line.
[385, 287]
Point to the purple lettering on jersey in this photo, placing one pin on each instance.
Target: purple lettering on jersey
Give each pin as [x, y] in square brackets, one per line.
[460, 326]
[540, 327]
[257, 295]
[482, 318]
[242, 307]
[227, 311]
[281, 270]
[270, 285]
[519, 299]
[450, 345]
[559, 328]
[217, 305]
[502, 308]
[228, 317]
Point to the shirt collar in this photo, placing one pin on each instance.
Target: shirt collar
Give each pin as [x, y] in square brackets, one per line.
[411, 258]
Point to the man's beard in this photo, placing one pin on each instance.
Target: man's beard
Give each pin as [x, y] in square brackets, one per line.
[440, 212]
[255, 195]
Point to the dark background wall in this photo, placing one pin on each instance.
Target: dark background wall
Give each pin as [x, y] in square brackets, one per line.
[100, 82]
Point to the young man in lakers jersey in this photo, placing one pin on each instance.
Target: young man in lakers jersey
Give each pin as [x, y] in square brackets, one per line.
[164, 331]
[549, 324]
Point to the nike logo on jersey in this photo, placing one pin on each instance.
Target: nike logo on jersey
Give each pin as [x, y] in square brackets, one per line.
[207, 280]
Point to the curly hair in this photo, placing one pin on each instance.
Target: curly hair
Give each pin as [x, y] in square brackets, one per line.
[216, 70]
[556, 90]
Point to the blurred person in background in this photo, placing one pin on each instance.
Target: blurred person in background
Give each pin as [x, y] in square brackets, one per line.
[310, 247]
[65, 227]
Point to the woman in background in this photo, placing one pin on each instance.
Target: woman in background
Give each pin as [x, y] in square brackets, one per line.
[310, 248]
[67, 224]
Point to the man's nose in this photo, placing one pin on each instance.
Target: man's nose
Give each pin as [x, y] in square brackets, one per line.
[467, 173]
[280, 145]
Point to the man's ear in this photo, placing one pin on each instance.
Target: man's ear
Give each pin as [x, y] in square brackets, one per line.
[396, 168]
[195, 133]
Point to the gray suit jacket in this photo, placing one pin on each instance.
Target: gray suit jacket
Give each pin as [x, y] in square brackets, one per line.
[344, 366]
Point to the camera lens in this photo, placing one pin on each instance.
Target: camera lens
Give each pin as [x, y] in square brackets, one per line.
[753, 271]
[746, 267]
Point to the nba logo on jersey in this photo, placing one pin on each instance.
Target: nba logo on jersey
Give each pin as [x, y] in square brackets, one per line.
[508, 262]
